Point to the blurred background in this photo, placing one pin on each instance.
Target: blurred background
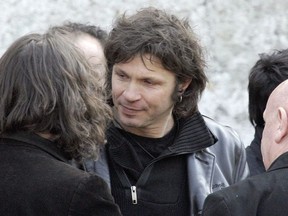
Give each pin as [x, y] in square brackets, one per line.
[232, 33]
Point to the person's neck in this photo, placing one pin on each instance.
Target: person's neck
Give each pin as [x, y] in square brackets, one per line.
[153, 131]
[46, 135]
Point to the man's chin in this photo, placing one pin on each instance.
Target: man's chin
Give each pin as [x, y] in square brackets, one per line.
[128, 124]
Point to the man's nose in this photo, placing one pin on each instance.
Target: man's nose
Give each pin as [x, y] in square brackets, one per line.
[132, 92]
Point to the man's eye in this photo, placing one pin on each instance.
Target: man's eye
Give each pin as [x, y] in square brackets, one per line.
[149, 82]
[121, 76]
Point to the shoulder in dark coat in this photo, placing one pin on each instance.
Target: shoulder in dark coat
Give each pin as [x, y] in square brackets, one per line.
[36, 179]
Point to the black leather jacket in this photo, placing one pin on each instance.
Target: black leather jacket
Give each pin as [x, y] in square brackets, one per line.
[209, 169]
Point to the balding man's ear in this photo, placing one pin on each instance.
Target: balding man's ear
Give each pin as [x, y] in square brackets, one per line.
[282, 121]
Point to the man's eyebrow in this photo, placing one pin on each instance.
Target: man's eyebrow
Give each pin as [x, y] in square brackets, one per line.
[117, 69]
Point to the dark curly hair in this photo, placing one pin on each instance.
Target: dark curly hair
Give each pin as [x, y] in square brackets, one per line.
[47, 86]
[171, 40]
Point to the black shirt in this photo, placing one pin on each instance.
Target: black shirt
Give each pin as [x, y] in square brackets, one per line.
[159, 175]
[161, 180]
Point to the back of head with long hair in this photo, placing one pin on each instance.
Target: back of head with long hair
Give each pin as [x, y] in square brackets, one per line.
[162, 35]
[47, 86]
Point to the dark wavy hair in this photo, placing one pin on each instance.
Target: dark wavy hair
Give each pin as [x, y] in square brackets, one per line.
[171, 40]
[267, 73]
[47, 86]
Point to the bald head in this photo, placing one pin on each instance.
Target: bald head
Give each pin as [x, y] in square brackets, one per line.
[279, 96]
[94, 52]
[275, 140]
[90, 40]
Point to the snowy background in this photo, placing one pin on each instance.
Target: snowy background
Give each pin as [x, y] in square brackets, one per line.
[233, 33]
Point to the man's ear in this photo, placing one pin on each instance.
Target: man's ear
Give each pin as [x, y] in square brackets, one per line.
[183, 86]
[282, 124]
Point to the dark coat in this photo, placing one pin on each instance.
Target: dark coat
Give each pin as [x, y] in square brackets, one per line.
[254, 156]
[36, 179]
[265, 194]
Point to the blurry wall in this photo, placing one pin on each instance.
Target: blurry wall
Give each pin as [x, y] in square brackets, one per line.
[232, 33]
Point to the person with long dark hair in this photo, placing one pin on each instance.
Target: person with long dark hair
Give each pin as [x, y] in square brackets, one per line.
[52, 110]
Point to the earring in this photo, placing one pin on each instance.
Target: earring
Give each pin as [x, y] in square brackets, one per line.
[180, 99]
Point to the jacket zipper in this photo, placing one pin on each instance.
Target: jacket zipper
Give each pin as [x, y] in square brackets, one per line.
[134, 188]
[124, 179]
[134, 195]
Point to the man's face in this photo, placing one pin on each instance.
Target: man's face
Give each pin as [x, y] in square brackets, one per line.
[142, 95]
[94, 53]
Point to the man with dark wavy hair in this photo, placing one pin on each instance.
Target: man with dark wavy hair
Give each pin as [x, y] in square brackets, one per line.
[51, 111]
[164, 157]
